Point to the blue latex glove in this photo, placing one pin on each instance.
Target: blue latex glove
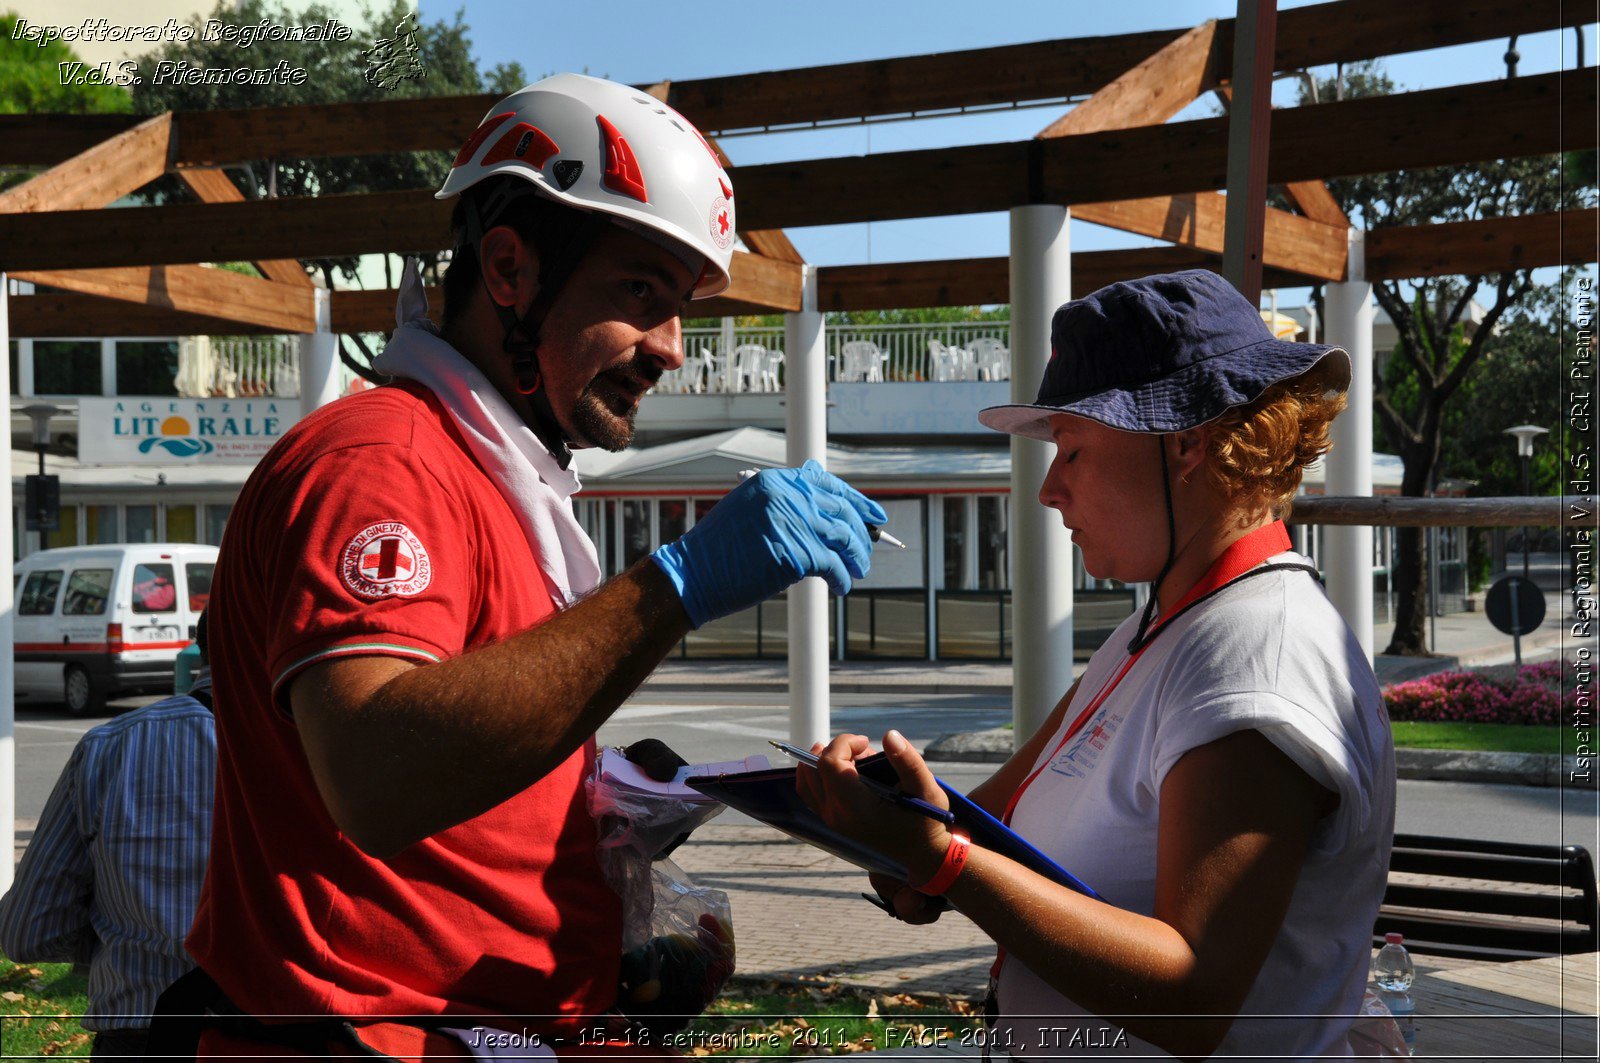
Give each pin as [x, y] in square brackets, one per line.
[773, 530]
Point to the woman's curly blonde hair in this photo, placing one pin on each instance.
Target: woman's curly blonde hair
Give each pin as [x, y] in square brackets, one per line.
[1259, 452]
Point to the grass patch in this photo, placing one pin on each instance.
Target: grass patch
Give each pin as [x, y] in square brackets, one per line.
[39, 1006]
[781, 1019]
[1475, 737]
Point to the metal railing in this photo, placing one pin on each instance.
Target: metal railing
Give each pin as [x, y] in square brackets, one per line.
[238, 367]
[722, 360]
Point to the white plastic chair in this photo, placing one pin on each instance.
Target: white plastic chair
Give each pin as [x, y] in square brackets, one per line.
[682, 380]
[950, 363]
[745, 371]
[692, 375]
[769, 371]
[716, 370]
[861, 360]
[991, 359]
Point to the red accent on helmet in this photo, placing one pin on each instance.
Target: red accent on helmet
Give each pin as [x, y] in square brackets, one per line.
[523, 141]
[727, 192]
[622, 169]
[475, 141]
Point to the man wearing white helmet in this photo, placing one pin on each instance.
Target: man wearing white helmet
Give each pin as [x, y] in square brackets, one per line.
[416, 647]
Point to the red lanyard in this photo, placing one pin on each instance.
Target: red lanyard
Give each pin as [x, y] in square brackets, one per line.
[1239, 558]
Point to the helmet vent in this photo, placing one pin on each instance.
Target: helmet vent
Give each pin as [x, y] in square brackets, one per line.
[475, 141]
[523, 142]
[622, 168]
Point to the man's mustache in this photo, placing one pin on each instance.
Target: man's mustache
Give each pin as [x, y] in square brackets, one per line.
[637, 376]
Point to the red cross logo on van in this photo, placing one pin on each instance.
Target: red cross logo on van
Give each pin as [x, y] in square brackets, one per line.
[385, 560]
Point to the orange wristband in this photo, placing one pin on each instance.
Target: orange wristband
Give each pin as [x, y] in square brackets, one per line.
[955, 858]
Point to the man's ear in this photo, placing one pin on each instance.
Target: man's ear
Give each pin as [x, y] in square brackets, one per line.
[1187, 450]
[510, 268]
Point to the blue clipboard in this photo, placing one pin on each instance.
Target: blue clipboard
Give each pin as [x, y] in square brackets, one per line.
[770, 796]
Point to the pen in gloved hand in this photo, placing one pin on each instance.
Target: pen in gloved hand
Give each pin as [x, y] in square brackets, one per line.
[874, 531]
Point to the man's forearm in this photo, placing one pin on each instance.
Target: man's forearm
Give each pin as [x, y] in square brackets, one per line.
[438, 744]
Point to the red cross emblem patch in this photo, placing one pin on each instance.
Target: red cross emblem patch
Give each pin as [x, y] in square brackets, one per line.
[722, 223]
[385, 560]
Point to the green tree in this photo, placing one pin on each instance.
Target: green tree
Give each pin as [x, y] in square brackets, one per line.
[335, 72]
[1520, 379]
[31, 80]
[1436, 355]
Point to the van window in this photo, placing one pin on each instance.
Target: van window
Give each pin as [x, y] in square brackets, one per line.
[39, 593]
[198, 573]
[153, 589]
[87, 591]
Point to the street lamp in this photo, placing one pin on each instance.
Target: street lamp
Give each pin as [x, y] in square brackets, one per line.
[43, 511]
[1526, 434]
[40, 414]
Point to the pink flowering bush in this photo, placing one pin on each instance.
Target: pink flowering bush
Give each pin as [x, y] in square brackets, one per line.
[1530, 695]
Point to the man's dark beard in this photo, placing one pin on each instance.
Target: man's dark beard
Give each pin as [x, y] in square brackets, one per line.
[595, 420]
[598, 428]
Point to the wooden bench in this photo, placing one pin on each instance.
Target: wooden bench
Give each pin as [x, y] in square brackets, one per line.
[1490, 900]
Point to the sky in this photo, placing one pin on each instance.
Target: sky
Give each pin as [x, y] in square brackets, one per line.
[644, 42]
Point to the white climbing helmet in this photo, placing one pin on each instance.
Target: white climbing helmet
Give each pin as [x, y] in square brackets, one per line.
[600, 146]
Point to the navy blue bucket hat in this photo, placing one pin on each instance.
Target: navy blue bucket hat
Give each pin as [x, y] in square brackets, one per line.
[1160, 354]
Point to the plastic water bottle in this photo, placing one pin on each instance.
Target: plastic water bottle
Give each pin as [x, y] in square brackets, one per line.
[1393, 971]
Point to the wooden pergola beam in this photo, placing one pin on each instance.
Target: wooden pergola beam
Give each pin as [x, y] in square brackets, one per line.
[1311, 197]
[99, 175]
[1564, 238]
[201, 290]
[313, 227]
[1293, 243]
[50, 315]
[1151, 92]
[1533, 116]
[1316, 203]
[1316, 35]
[979, 281]
[372, 310]
[214, 186]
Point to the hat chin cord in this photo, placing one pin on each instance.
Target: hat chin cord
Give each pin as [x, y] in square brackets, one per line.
[1143, 635]
[522, 334]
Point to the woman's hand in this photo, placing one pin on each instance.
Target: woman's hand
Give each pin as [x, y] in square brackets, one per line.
[908, 905]
[835, 791]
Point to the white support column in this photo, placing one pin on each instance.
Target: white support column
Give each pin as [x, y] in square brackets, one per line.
[319, 358]
[8, 687]
[1041, 549]
[806, 427]
[1347, 563]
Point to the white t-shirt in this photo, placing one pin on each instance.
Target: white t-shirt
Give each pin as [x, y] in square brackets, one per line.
[1269, 654]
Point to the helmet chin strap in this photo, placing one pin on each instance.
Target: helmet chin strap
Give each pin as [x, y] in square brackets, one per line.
[1143, 634]
[522, 338]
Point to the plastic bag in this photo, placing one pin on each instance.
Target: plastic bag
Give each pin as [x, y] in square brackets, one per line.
[677, 937]
[1374, 1033]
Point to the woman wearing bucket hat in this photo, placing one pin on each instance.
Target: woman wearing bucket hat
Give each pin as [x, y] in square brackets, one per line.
[1222, 774]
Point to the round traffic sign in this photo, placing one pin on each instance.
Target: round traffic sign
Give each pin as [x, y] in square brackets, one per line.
[1515, 606]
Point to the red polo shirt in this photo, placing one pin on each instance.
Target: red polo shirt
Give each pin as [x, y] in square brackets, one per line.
[369, 529]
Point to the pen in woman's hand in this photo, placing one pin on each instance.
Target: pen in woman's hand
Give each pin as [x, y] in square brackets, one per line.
[888, 793]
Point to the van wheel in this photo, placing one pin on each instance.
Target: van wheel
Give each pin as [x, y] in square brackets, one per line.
[81, 694]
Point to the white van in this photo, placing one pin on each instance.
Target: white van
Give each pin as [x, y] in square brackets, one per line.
[98, 622]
